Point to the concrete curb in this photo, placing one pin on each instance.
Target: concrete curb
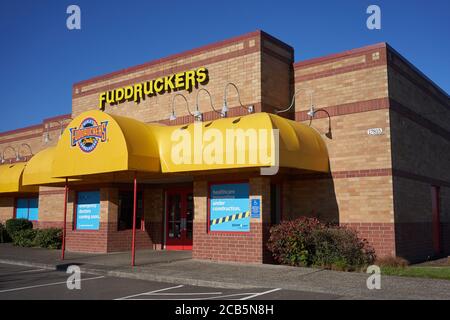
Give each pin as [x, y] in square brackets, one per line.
[132, 275]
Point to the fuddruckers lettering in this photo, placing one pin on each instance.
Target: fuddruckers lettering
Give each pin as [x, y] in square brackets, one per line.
[179, 81]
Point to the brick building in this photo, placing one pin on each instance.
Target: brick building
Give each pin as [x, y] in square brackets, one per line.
[385, 125]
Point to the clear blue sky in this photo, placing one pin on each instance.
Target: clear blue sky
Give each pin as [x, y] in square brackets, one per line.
[41, 58]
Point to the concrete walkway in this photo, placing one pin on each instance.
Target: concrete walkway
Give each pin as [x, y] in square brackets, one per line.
[179, 268]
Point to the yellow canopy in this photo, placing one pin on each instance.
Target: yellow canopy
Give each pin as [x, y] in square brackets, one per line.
[96, 142]
[241, 142]
[11, 178]
[38, 170]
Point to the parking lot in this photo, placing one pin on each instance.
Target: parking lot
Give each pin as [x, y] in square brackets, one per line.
[27, 283]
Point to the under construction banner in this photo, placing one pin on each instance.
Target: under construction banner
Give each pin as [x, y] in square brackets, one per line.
[229, 207]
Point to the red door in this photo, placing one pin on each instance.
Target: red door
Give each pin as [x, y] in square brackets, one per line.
[179, 219]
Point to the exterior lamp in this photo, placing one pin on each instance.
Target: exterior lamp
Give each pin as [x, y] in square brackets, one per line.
[61, 131]
[15, 152]
[311, 109]
[225, 108]
[24, 145]
[197, 114]
[222, 114]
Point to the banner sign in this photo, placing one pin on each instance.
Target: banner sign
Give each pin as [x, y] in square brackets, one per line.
[88, 210]
[229, 207]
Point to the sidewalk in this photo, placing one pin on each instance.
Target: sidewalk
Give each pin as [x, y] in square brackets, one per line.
[179, 268]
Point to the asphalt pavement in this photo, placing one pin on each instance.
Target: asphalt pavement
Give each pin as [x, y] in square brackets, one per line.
[33, 283]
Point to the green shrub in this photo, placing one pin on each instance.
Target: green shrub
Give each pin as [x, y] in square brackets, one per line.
[291, 243]
[15, 225]
[24, 238]
[340, 248]
[307, 242]
[49, 238]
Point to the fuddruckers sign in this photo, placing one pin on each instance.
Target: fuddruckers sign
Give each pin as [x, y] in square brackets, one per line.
[180, 81]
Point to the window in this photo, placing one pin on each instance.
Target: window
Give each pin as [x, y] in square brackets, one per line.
[126, 204]
[27, 208]
[88, 210]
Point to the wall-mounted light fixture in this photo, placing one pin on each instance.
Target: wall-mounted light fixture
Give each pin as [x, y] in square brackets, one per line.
[307, 91]
[196, 114]
[10, 159]
[225, 108]
[312, 112]
[24, 145]
[222, 114]
[48, 126]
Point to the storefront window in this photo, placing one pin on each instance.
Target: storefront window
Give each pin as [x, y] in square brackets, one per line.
[126, 204]
[229, 207]
[27, 208]
[88, 210]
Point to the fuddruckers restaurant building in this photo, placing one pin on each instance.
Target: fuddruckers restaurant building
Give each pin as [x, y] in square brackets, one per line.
[365, 143]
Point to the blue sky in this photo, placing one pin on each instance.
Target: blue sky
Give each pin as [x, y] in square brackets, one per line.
[41, 58]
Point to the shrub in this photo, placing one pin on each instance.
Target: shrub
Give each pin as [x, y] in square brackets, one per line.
[291, 243]
[307, 242]
[24, 238]
[15, 225]
[49, 238]
[3, 234]
[340, 248]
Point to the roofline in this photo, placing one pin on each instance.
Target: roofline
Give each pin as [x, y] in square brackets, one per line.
[207, 47]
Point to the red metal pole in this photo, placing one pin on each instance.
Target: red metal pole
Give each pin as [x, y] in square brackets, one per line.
[63, 246]
[133, 243]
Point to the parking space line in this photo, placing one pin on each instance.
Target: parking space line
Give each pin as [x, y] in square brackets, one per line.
[260, 294]
[149, 292]
[181, 293]
[33, 270]
[48, 284]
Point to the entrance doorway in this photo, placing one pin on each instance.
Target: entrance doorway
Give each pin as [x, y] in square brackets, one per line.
[179, 219]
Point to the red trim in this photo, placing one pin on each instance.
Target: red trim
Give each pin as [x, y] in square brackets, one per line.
[201, 49]
[208, 199]
[339, 56]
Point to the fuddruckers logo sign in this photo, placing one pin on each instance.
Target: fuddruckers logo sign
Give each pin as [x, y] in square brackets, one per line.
[88, 135]
[180, 81]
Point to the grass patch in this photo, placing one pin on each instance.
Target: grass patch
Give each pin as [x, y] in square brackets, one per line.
[419, 272]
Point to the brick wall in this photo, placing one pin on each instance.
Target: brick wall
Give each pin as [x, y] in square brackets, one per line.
[352, 87]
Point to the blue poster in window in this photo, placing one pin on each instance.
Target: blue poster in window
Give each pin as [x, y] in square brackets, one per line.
[88, 210]
[256, 208]
[229, 207]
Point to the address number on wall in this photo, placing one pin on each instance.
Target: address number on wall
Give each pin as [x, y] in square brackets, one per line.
[375, 131]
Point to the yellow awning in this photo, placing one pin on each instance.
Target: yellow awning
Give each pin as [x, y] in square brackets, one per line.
[241, 142]
[11, 178]
[96, 143]
[38, 170]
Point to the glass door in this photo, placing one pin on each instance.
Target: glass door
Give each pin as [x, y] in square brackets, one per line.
[179, 219]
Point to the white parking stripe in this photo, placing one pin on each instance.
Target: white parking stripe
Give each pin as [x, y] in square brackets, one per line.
[33, 270]
[260, 294]
[149, 292]
[181, 293]
[47, 284]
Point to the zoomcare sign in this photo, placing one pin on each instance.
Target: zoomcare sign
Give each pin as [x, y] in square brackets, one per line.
[89, 134]
[186, 80]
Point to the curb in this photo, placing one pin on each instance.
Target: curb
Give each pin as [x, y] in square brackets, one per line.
[132, 275]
